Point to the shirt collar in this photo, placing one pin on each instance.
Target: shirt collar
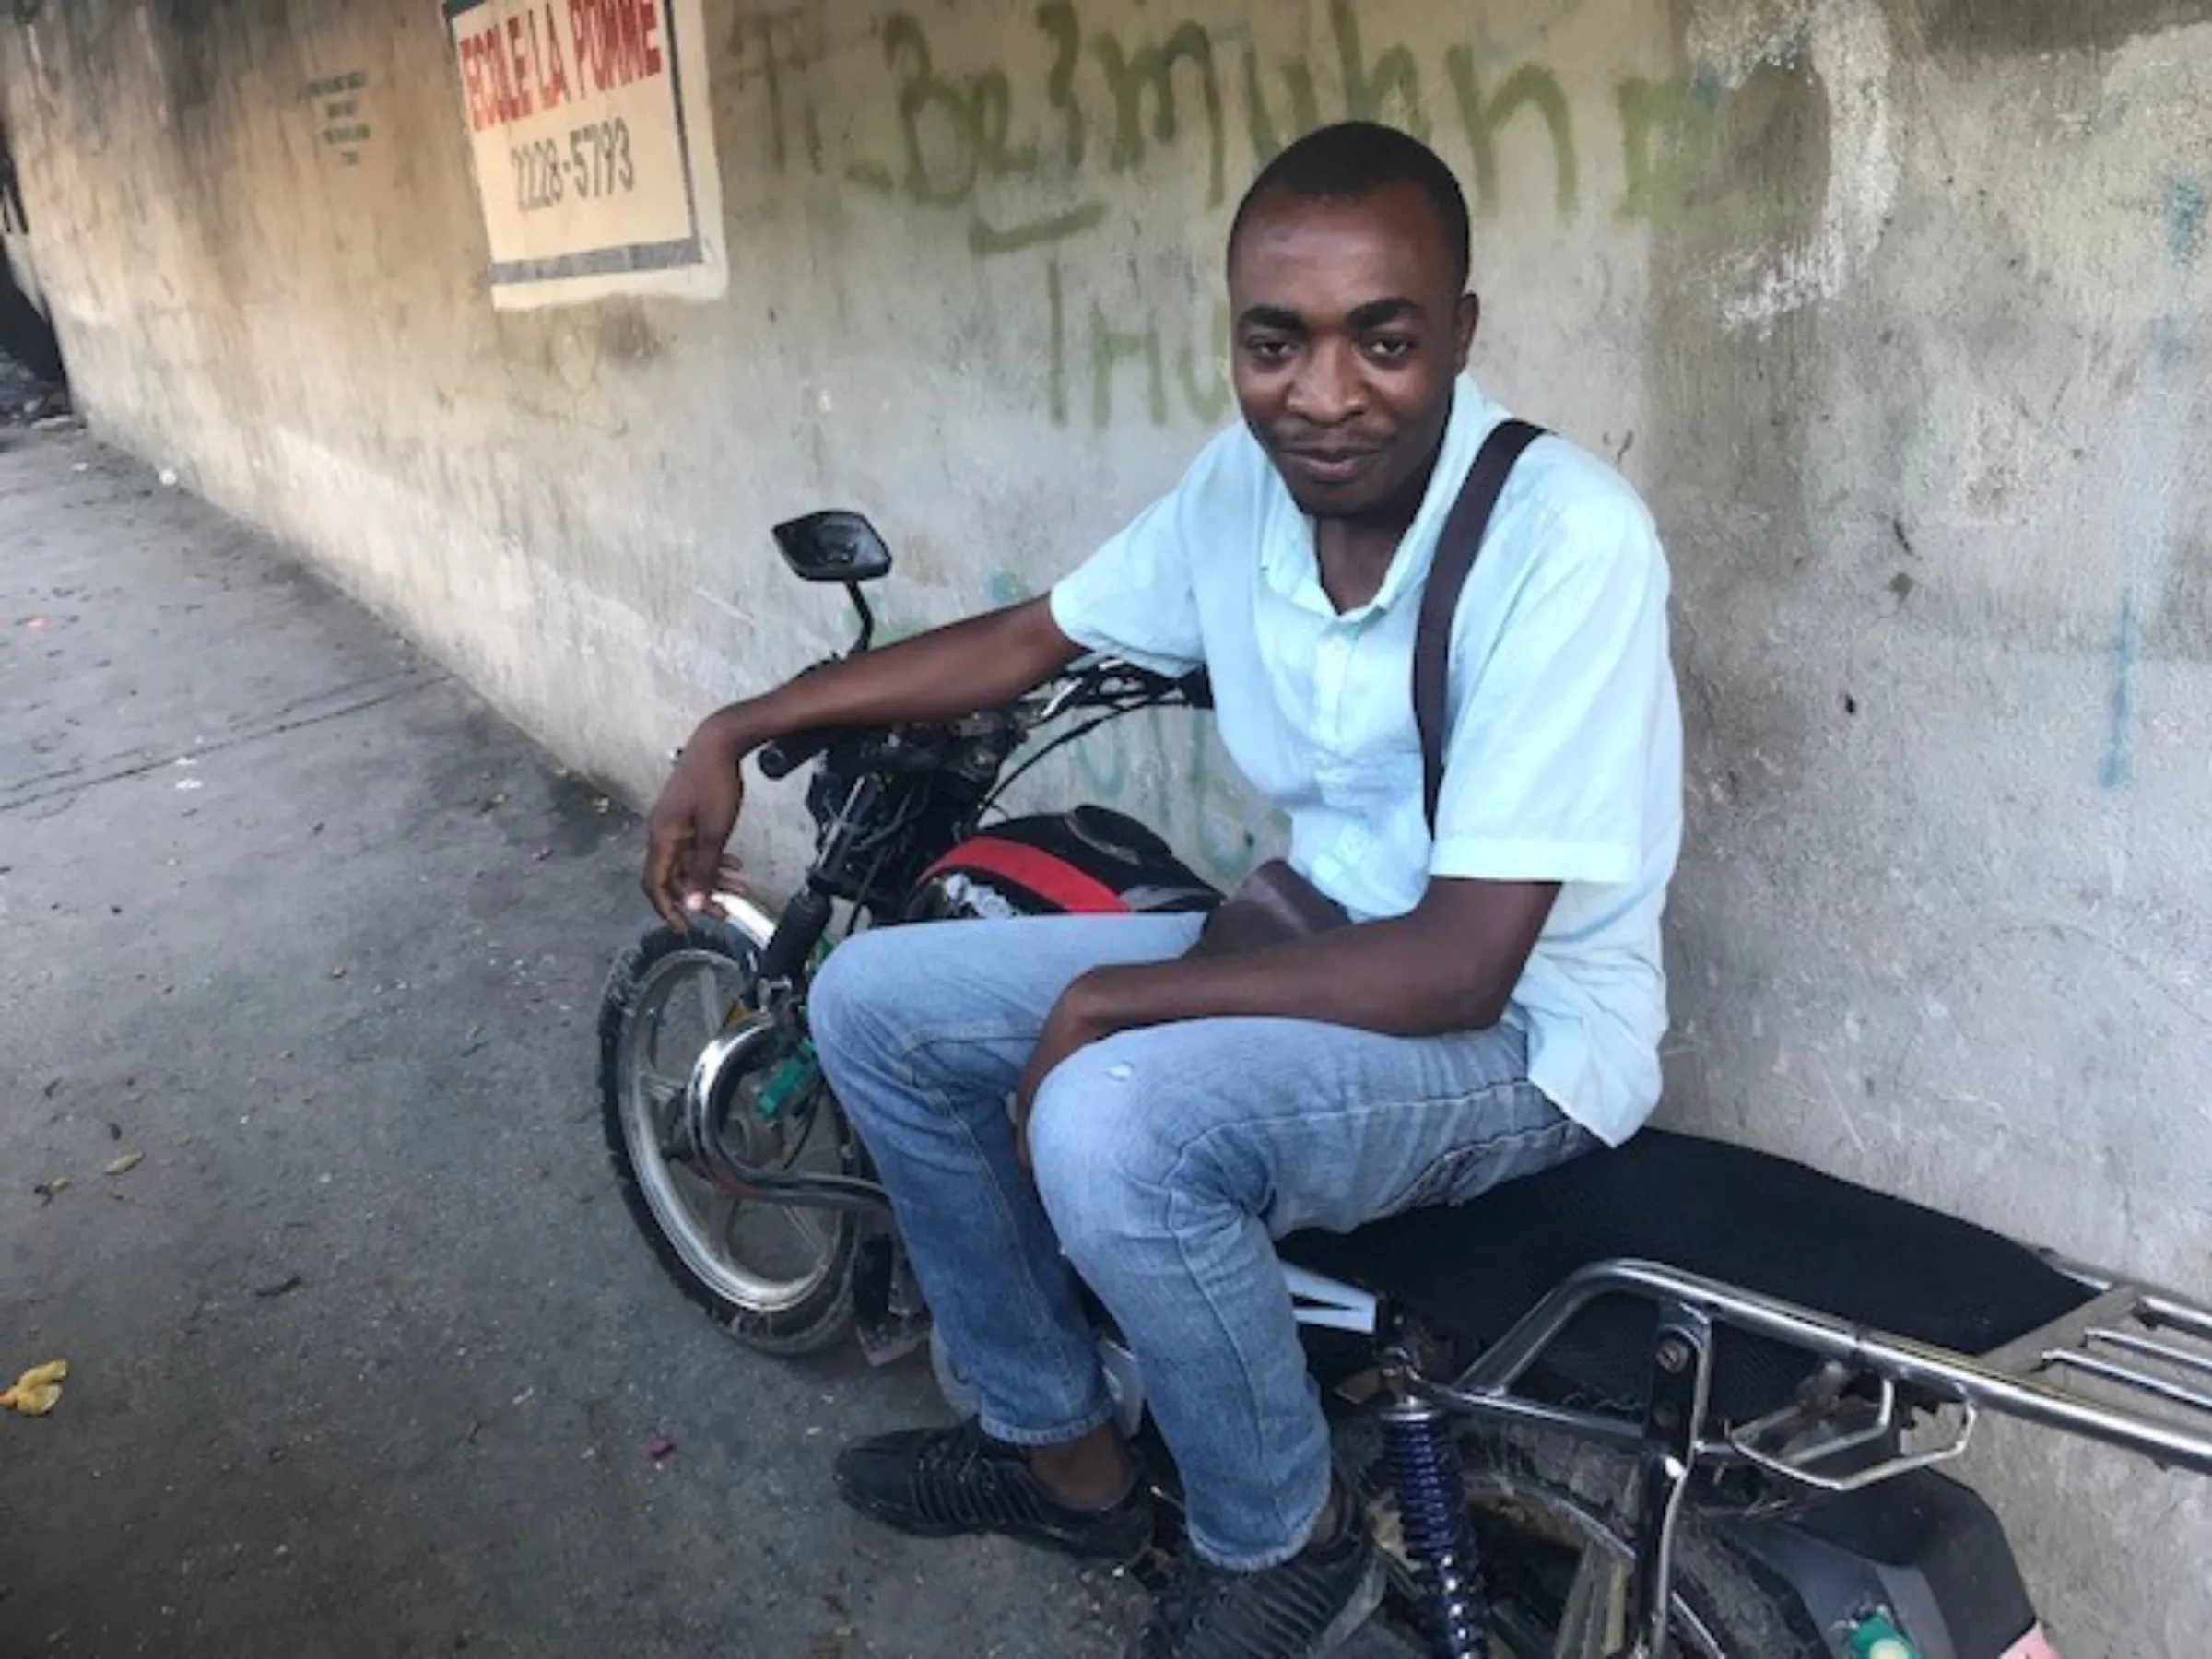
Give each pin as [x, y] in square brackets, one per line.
[1289, 563]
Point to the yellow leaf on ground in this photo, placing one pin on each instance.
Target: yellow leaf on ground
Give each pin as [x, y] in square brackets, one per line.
[37, 1391]
[32, 1402]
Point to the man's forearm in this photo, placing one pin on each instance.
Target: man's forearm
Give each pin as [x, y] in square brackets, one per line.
[1449, 964]
[940, 675]
[1397, 977]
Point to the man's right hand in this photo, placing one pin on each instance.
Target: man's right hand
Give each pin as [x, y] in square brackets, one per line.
[940, 675]
[688, 827]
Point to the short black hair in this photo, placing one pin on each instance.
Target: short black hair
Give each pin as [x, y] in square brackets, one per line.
[1351, 160]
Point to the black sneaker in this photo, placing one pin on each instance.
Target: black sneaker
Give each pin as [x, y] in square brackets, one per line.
[1305, 1607]
[941, 1482]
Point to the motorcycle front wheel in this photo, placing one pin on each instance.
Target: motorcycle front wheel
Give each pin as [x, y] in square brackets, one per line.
[779, 1278]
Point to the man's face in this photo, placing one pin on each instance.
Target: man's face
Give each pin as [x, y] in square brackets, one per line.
[1349, 329]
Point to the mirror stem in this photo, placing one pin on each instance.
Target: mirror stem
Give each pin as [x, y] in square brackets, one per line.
[867, 617]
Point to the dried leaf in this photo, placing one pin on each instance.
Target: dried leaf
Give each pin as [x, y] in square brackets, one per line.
[37, 1391]
[31, 1401]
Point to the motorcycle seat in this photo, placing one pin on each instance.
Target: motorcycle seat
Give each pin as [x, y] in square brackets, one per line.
[1726, 1212]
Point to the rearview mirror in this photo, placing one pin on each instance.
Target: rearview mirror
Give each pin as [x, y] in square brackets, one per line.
[833, 546]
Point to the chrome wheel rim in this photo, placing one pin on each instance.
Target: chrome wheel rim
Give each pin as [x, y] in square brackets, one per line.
[765, 1257]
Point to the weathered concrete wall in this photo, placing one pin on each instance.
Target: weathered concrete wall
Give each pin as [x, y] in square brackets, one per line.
[1895, 309]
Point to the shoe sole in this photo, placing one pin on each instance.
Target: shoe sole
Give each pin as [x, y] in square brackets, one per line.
[1124, 1544]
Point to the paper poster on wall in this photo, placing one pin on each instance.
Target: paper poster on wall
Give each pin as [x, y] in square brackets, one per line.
[593, 147]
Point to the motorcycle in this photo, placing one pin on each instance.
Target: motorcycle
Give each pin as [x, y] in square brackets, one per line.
[1680, 1398]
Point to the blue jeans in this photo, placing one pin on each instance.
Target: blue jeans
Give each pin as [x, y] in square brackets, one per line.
[1167, 1162]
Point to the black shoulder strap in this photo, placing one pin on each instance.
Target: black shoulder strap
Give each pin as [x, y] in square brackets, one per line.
[1455, 551]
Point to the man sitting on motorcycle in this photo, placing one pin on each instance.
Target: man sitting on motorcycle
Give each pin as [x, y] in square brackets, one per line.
[1494, 1008]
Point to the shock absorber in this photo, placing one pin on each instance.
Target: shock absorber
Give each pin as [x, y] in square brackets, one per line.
[1432, 1507]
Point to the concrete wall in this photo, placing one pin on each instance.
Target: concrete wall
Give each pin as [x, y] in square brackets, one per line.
[1894, 309]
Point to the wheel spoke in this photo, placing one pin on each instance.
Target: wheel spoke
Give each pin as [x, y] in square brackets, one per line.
[810, 1225]
[1590, 1623]
[659, 1087]
[711, 1003]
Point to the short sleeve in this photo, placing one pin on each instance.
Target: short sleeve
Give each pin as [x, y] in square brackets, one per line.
[1548, 769]
[1136, 596]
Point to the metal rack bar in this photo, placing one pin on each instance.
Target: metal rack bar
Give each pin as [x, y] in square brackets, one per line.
[2003, 1381]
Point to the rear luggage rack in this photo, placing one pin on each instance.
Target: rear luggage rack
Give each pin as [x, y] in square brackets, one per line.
[2149, 1350]
[2131, 1367]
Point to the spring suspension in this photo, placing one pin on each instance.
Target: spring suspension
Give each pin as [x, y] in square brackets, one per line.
[1432, 1507]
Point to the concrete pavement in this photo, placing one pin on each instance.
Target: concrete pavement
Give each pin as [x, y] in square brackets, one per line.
[366, 1356]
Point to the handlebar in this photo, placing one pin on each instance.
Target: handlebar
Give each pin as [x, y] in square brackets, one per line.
[1109, 683]
[1113, 685]
[786, 755]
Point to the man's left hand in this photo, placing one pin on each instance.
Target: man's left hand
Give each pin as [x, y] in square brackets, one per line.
[1074, 1023]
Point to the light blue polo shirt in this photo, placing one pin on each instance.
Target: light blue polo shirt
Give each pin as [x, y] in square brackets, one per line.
[1564, 761]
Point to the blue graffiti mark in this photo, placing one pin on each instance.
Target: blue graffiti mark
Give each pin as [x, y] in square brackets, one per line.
[1104, 766]
[2126, 661]
[2188, 207]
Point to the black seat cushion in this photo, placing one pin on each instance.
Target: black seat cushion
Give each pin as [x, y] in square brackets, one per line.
[1726, 1212]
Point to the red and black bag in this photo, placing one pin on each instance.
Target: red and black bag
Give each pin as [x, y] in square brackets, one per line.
[1089, 861]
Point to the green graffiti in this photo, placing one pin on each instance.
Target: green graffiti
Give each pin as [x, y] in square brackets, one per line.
[990, 114]
[1105, 762]
[1267, 140]
[985, 240]
[920, 95]
[1209, 395]
[1110, 348]
[1697, 156]
[1055, 306]
[763, 38]
[1368, 91]
[1058, 21]
[953, 131]
[1678, 138]
[1667, 133]
[1530, 86]
[1130, 74]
